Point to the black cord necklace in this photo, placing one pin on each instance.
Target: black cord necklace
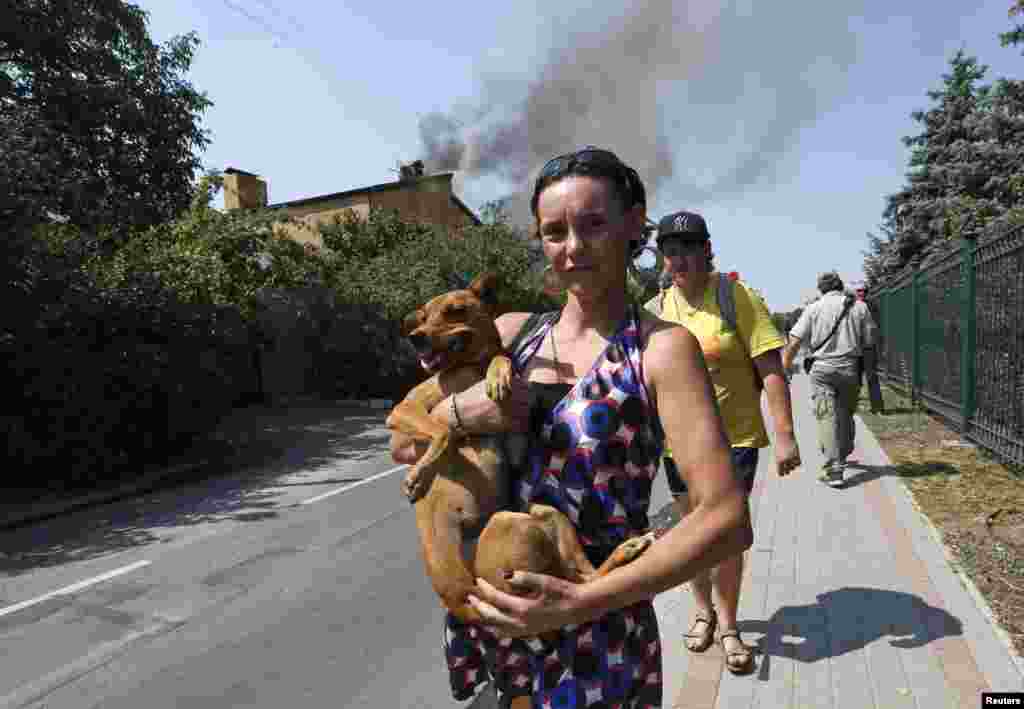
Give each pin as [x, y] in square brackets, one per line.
[554, 351]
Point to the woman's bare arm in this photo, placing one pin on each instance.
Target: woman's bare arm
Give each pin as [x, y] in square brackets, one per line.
[719, 526]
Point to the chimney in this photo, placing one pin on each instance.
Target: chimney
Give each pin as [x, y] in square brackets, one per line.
[243, 190]
[410, 171]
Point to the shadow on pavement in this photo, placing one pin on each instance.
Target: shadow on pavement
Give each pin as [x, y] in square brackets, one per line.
[889, 411]
[845, 620]
[860, 473]
[247, 452]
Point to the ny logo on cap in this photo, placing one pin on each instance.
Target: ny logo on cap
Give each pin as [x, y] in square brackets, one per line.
[680, 222]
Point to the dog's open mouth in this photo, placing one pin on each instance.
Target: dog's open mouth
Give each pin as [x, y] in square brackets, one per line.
[434, 360]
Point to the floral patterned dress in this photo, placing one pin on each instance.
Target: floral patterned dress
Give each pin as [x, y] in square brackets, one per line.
[594, 453]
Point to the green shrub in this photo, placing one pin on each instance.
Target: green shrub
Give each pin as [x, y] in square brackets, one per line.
[103, 380]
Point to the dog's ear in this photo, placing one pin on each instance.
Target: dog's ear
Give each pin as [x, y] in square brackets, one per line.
[485, 287]
[410, 323]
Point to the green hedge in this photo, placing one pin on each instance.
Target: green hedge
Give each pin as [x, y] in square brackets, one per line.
[101, 381]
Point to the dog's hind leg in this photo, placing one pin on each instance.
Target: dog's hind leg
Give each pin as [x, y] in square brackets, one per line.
[575, 562]
[626, 552]
[441, 540]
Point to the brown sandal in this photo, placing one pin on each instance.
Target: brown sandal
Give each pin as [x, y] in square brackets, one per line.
[707, 637]
[745, 657]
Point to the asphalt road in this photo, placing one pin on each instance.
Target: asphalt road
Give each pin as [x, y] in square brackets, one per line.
[294, 584]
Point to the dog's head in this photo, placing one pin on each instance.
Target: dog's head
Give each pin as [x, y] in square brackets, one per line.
[456, 328]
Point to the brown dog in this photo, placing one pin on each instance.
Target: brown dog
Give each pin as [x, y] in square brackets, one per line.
[458, 486]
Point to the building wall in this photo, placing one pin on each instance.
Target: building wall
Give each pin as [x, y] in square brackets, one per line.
[427, 200]
[424, 201]
[310, 216]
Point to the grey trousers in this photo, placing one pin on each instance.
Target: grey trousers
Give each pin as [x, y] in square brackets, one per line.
[835, 394]
[871, 379]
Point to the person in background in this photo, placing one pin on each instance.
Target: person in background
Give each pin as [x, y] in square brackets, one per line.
[870, 364]
[835, 330]
[741, 347]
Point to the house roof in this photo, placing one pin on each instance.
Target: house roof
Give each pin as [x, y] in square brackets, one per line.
[387, 186]
[236, 171]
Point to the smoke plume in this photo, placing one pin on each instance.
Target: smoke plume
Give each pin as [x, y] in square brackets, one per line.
[702, 98]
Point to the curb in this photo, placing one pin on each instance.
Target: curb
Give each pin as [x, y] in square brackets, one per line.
[366, 403]
[48, 510]
[285, 401]
[965, 581]
[147, 483]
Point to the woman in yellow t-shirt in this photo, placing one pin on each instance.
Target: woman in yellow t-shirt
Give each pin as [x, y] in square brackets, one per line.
[740, 356]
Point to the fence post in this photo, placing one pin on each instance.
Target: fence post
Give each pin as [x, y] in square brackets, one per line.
[915, 317]
[968, 342]
[887, 328]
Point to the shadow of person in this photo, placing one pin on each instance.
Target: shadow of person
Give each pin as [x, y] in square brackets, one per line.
[860, 473]
[846, 620]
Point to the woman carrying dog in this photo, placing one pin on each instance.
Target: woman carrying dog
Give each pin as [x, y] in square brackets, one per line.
[602, 386]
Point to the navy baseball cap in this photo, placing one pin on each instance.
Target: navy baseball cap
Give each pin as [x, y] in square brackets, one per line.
[683, 225]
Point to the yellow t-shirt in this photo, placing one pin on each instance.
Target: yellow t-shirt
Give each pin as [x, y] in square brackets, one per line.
[726, 354]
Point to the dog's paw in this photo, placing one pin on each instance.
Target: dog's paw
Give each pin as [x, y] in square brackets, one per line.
[499, 378]
[632, 548]
[415, 485]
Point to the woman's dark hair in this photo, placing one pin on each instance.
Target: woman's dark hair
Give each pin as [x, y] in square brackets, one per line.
[592, 161]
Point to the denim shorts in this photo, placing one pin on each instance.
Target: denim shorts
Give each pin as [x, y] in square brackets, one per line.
[744, 464]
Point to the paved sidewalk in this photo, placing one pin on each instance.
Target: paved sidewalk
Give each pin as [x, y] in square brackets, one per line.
[849, 597]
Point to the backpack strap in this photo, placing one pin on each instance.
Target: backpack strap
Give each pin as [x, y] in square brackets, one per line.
[727, 306]
[727, 302]
[656, 304]
[847, 305]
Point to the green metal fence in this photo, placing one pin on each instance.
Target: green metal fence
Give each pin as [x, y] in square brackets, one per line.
[952, 337]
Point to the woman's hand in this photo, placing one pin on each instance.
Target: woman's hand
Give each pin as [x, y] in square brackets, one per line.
[479, 414]
[547, 603]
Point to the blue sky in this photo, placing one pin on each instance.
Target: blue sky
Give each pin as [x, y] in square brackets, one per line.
[783, 127]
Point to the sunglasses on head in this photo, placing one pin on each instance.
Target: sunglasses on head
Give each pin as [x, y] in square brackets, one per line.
[586, 161]
[589, 156]
[681, 247]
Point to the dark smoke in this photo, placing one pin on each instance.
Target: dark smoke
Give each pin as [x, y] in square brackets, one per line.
[702, 98]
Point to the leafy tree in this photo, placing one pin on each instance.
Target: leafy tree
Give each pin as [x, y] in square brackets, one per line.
[937, 169]
[97, 123]
[210, 257]
[495, 211]
[878, 258]
[1016, 35]
[965, 172]
[398, 265]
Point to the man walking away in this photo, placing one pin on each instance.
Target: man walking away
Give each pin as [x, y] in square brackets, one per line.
[835, 329]
[870, 364]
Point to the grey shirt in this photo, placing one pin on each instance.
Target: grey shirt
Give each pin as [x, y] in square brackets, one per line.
[843, 350]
